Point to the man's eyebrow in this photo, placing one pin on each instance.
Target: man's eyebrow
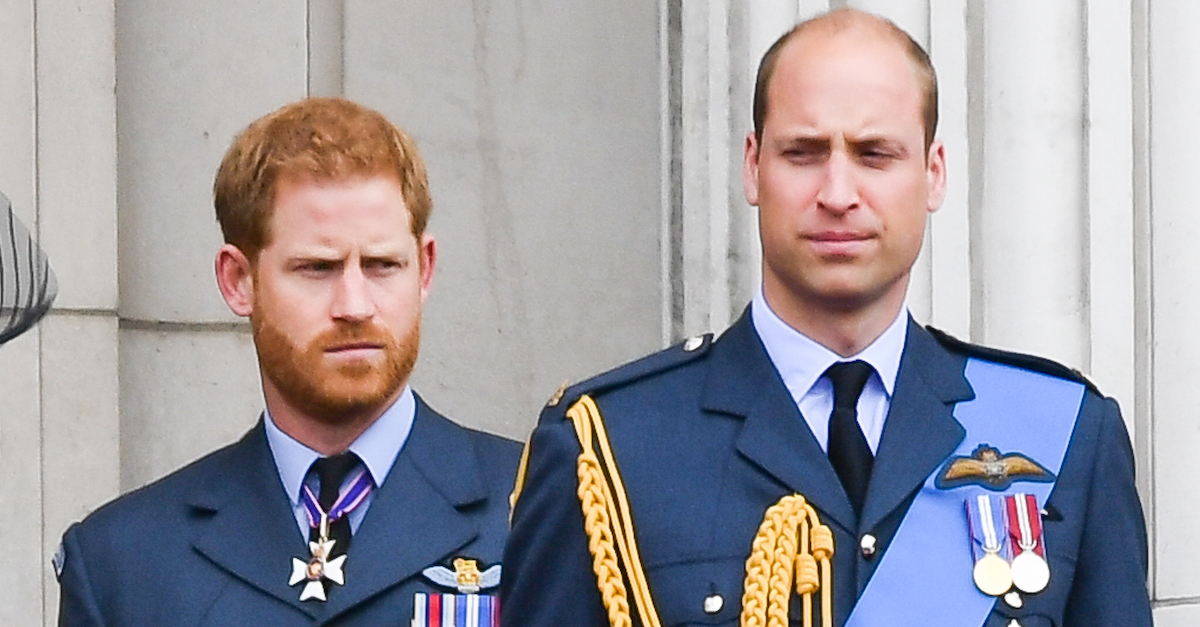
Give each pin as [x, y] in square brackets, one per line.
[880, 143]
[315, 255]
[803, 141]
[388, 251]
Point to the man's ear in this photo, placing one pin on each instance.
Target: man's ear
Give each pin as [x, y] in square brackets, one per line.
[428, 255]
[235, 279]
[935, 172]
[750, 169]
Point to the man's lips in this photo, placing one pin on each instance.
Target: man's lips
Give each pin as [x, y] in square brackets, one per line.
[355, 349]
[838, 236]
[838, 243]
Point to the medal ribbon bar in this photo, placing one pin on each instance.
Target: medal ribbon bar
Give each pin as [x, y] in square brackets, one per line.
[455, 610]
[989, 544]
[1030, 570]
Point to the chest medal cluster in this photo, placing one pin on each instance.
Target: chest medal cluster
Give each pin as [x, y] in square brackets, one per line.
[467, 608]
[1007, 544]
[322, 569]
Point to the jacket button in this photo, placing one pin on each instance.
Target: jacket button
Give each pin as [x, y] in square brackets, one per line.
[867, 544]
[713, 603]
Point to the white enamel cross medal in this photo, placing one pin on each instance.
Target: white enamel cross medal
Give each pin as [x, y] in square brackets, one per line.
[319, 568]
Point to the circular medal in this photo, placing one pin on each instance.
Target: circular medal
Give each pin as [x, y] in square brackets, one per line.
[992, 575]
[1030, 572]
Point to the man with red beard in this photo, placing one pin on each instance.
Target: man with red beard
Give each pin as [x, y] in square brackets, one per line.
[351, 501]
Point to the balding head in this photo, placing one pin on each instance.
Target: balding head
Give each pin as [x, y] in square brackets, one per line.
[847, 22]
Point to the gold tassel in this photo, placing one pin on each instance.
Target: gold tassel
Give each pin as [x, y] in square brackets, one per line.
[791, 549]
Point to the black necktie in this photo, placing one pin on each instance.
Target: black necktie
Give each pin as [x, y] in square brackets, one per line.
[848, 450]
[331, 473]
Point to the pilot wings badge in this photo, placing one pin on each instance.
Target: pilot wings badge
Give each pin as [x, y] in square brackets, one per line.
[988, 468]
[466, 576]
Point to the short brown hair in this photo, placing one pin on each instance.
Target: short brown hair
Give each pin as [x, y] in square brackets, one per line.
[316, 138]
[839, 20]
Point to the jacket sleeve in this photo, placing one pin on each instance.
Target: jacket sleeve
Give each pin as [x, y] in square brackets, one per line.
[548, 579]
[77, 604]
[1110, 571]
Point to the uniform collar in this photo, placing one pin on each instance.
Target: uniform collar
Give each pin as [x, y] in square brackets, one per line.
[377, 447]
[801, 361]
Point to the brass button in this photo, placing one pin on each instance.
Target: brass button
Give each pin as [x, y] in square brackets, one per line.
[713, 603]
[867, 544]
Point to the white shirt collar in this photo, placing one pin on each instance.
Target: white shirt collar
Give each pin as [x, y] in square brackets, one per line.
[801, 361]
[377, 447]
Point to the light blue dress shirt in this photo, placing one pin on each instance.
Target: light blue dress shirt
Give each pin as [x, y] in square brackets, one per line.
[377, 447]
[801, 362]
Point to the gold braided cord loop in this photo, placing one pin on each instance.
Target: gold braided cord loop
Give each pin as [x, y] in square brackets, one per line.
[611, 545]
[790, 544]
[519, 484]
[792, 549]
[620, 512]
[600, 542]
[783, 562]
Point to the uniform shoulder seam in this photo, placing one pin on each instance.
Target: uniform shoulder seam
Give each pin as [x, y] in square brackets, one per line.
[1025, 361]
[692, 349]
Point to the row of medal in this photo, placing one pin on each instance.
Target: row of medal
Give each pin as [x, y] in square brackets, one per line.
[1007, 544]
[455, 610]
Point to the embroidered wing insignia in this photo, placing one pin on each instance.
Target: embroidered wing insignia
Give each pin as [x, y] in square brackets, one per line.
[442, 576]
[490, 578]
[466, 576]
[988, 468]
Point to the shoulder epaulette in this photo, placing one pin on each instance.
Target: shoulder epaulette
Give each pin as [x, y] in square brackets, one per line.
[684, 352]
[1020, 360]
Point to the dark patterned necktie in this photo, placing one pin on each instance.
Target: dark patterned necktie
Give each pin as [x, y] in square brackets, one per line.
[848, 450]
[331, 473]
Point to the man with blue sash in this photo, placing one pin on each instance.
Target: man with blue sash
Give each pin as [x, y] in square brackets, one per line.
[351, 502]
[827, 458]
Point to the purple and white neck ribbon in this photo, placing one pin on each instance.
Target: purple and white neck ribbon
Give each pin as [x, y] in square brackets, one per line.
[347, 500]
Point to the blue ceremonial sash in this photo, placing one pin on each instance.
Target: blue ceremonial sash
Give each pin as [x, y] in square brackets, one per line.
[924, 577]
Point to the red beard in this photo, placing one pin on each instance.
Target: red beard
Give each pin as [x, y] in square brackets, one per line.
[335, 393]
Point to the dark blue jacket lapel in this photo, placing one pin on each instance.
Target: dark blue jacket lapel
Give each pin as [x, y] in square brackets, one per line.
[246, 526]
[244, 521]
[414, 520]
[742, 381]
[920, 431]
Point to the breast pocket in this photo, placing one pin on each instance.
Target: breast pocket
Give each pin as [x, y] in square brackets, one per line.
[703, 592]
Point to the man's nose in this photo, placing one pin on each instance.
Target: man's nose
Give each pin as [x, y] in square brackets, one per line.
[353, 300]
[839, 189]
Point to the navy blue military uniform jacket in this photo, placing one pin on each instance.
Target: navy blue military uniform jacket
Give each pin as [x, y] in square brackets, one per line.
[706, 440]
[212, 544]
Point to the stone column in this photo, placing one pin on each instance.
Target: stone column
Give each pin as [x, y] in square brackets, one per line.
[1174, 230]
[1031, 233]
